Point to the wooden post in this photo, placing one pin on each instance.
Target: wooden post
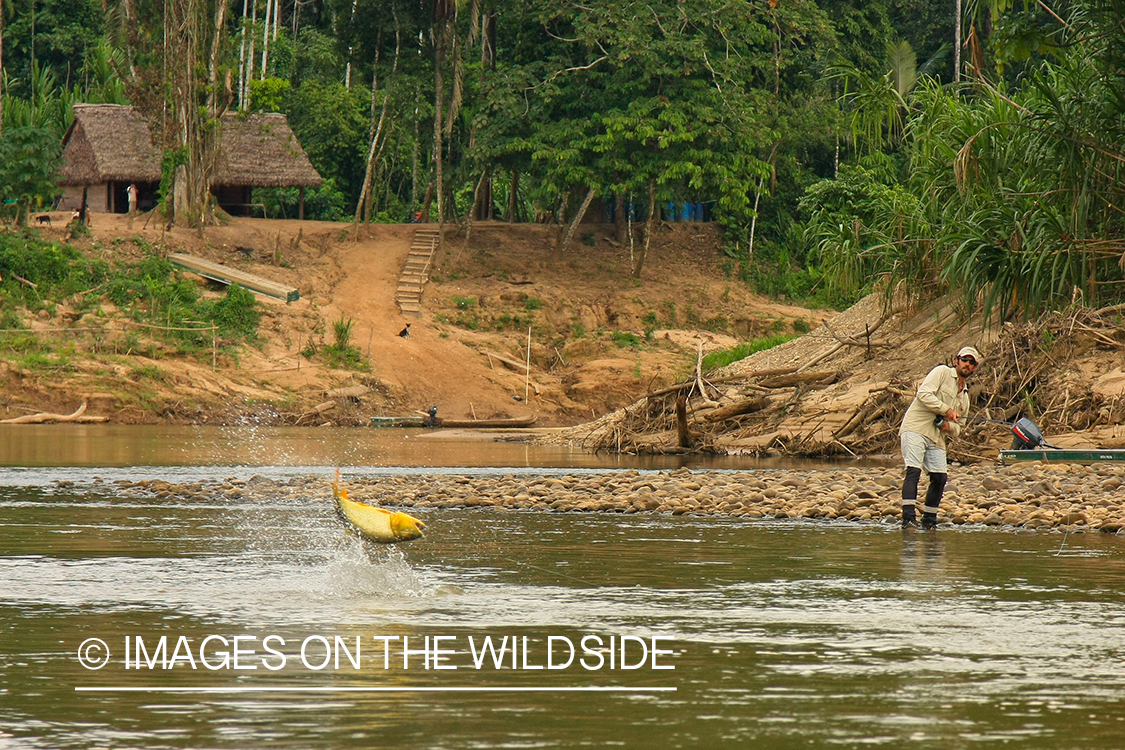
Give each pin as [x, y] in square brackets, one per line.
[214, 347]
[681, 422]
[527, 373]
[301, 203]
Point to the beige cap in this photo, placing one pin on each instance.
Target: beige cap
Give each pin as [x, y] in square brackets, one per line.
[970, 351]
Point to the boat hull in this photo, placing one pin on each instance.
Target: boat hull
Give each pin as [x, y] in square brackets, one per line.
[1063, 455]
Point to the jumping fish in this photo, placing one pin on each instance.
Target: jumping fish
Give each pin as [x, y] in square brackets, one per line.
[377, 524]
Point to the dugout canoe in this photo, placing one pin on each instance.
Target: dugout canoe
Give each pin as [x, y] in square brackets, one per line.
[471, 424]
[1063, 455]
[488, 423]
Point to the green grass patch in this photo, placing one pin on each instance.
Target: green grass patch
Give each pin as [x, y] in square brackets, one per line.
[626, 340]
[724, 357]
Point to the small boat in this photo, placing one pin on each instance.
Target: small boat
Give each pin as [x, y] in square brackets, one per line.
[398, 421]
[471, 424]
[489, 423]
[1064, 455]
[374, 523]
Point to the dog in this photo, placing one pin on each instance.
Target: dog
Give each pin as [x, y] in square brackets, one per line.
[405, 332]
[43, 220]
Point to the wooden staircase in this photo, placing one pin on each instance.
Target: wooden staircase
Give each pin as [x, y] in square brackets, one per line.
[416, 270]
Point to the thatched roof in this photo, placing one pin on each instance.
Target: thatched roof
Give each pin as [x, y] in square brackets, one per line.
[108, 142]
[112, 142]
[261, 150]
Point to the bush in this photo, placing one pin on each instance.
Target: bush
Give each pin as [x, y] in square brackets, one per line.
[237, 312]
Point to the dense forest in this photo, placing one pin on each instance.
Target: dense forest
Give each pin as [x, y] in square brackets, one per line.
[973, 146]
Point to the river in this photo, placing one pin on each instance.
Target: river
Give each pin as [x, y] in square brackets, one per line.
[631, 631]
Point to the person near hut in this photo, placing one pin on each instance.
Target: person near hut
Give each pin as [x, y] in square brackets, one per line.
[942, 399]
[132, 193]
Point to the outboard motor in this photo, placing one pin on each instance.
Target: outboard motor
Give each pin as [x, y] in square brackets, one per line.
[1028, 437]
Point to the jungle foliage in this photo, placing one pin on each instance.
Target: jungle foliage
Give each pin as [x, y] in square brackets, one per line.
[842, 144]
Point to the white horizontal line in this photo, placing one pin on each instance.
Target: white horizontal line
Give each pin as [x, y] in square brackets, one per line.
[404, 689]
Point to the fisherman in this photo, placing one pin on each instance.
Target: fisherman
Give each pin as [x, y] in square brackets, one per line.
[942, 399]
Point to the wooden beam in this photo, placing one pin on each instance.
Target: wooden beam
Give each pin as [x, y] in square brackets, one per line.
[227, 275]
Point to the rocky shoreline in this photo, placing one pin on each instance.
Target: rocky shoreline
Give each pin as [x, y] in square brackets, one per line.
[1041, 497]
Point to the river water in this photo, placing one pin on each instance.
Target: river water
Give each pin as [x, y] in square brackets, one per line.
[732, 633]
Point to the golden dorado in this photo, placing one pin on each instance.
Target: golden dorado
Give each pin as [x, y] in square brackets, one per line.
[377, 524]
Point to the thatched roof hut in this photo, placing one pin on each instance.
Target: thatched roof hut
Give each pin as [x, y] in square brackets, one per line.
[108, 143]
[261, 151]
[110, 146]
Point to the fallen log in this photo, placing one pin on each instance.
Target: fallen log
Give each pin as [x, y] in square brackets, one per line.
[799, 378]
[352, 392]
[727, 379]
[738, 408]
[42, 417]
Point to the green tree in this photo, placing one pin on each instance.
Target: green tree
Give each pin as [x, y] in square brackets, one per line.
[28, 160]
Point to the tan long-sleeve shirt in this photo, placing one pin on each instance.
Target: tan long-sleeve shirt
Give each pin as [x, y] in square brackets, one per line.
[938, 393]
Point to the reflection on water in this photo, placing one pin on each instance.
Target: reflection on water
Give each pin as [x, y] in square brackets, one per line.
[155, 445]
[783, 635]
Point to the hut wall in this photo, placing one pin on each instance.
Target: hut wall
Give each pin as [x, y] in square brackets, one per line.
[96, 198]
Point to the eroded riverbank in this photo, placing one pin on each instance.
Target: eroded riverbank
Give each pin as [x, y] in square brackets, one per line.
[1073, 498]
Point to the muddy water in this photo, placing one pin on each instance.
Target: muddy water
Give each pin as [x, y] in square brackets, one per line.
[781, 635]
[122, 445]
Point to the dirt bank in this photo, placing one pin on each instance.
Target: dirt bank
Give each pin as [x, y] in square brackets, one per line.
[599, 339]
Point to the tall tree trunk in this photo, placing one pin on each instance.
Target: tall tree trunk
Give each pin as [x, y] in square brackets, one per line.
[242, 58]
[193, 33]
[577, 220]
[957, 43]
[439, 61]
[426, 202]
[650, 225]
[1, 67]
[513, 197]
[620, 222]
[248, 100]
[266, 39]
[414, 161]
[364, 205]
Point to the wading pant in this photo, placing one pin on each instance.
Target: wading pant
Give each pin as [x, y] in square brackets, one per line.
[933, 495]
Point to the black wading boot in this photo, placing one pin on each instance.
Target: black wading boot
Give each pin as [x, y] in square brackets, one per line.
[910, 497]
[933, 499]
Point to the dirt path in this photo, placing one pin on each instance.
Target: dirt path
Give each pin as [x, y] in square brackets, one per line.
[425, 367]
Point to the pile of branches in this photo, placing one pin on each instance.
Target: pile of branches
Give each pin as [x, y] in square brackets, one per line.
[1027, 370]
[691, 416]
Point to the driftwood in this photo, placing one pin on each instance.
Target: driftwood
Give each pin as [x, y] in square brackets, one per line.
[317, 411]
[727, 379]
[738, 408]
[41, 417]
[352, 392]
[798, 378]
[681, 422]
[513, 364]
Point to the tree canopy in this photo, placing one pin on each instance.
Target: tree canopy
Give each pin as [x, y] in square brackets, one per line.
[833, 138]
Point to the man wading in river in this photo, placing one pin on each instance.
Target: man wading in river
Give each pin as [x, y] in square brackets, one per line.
[942, 399]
